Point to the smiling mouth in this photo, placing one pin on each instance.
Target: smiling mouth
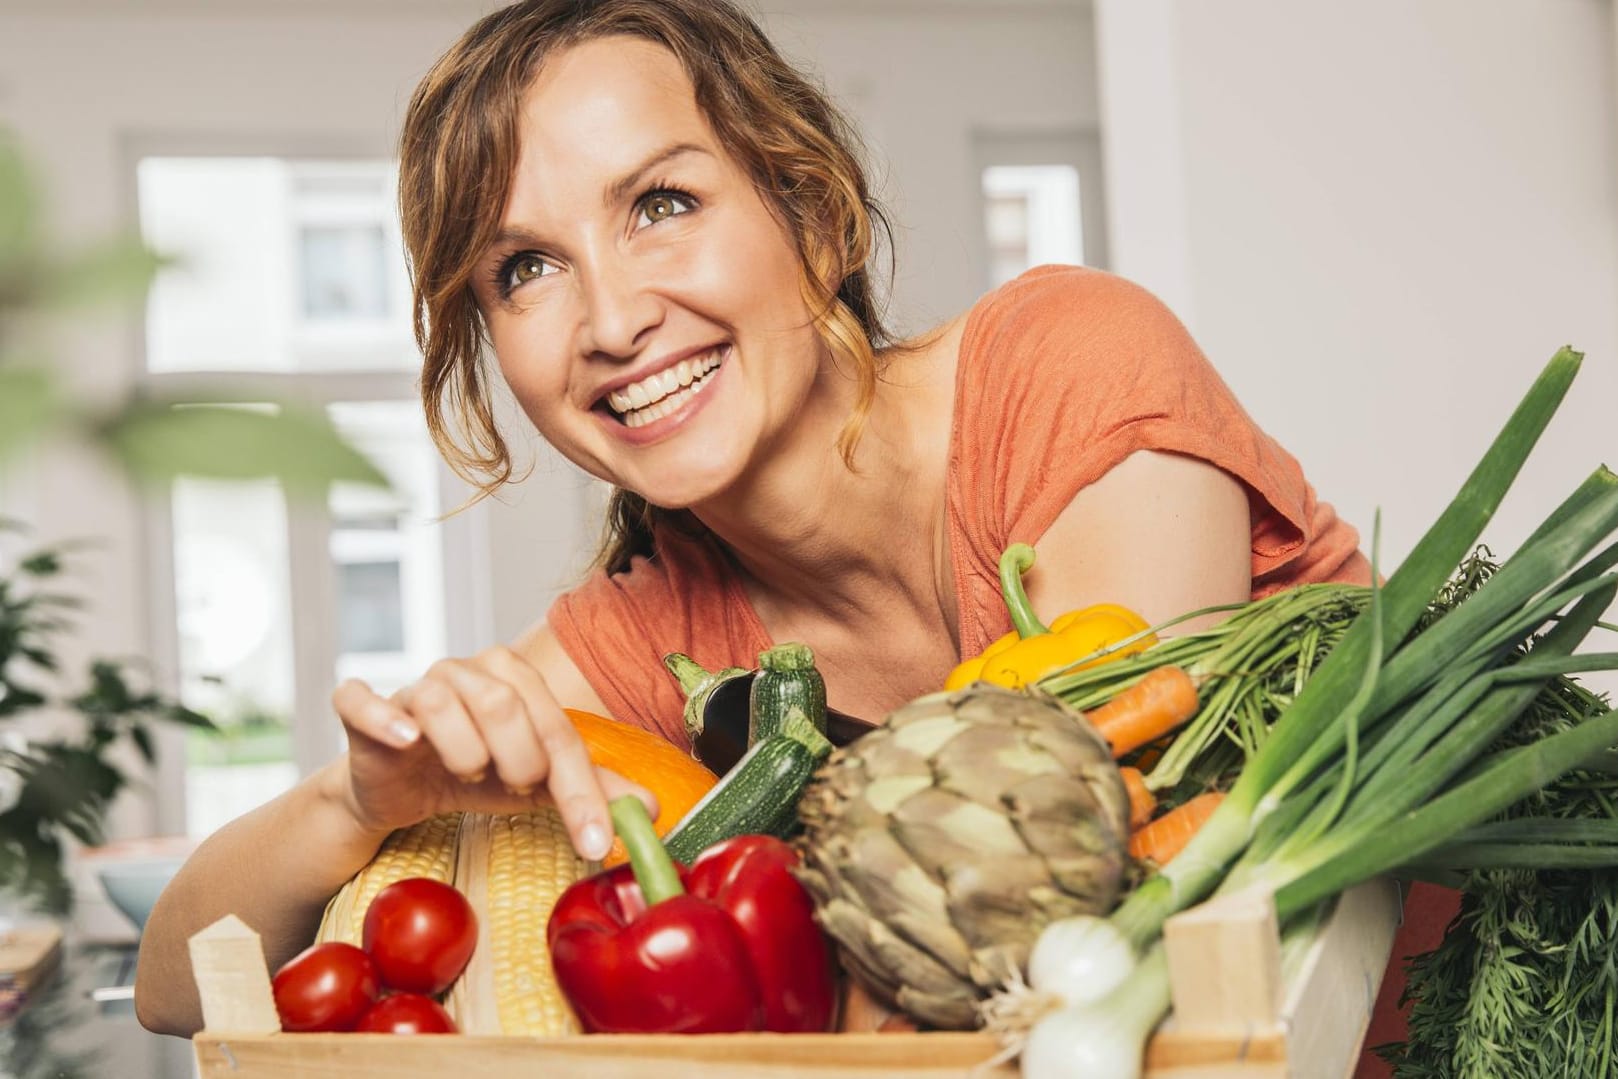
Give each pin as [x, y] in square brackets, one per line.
[656, 396]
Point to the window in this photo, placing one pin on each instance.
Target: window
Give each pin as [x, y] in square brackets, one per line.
[1041, 199]
[1031, 213]
[290, 285]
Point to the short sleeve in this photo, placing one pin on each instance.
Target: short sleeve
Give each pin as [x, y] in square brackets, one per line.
[1067, 371]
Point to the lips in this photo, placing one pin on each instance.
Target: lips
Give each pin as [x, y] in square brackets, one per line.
[657, 395]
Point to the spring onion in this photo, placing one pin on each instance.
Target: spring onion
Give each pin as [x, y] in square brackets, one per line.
[1384, 755]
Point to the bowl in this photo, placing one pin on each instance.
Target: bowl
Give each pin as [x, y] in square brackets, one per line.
[133, 886]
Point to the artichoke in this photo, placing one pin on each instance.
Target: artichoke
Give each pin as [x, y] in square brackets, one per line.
[938, 845]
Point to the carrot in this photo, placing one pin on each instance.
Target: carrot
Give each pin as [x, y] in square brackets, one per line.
[1141, 801]
[1146, 710]
[1162, 839]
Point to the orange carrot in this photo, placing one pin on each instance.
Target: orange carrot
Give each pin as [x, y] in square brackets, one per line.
[1166, 836]
[1141, 801]
[1146, 710]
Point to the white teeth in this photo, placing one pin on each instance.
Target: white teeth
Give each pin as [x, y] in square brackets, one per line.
[657, 395]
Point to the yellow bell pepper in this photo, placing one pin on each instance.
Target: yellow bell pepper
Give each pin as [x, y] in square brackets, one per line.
[1031, 651]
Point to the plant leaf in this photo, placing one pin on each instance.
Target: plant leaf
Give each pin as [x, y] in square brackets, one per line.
[20, 211]
[28, 405]
[119, 269]
[42, 564]
[158, 441]
[143, 742]
[179, 713]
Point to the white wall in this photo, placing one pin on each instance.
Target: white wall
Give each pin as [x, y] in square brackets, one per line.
[1381, 220]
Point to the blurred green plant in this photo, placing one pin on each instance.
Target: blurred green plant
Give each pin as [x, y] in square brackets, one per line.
[57, 787]
[60, 785]
[153, 439]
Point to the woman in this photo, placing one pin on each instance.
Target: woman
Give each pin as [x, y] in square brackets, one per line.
[663, 233]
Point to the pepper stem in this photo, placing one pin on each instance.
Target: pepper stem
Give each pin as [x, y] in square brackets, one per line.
[654, 869]
[1013, 564]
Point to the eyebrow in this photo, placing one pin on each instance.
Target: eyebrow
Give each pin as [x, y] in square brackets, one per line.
[616, 192]
[621, 188]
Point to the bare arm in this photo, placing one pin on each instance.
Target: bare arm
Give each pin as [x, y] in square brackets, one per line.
[484, 734]
[273, 868]
[1161, 534]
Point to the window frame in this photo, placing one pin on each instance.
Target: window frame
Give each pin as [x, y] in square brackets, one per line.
[1079, 148]
[317, 735]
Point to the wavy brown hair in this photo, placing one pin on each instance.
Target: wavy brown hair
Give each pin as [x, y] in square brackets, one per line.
[458, 151]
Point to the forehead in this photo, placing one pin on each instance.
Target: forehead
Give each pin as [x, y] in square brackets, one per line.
[596, 108]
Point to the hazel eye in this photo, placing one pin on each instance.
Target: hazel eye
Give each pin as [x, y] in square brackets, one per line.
[662, 205]
[525, 269]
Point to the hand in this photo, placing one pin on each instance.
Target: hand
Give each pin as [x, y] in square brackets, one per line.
[483, 734]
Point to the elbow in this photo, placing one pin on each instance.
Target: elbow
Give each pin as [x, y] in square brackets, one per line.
[165, 1003]
[160, 1016]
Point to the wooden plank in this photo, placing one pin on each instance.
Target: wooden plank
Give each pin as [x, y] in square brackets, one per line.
[1225, 966]
[1329, 1002]
[619, 1056]
[227, 960]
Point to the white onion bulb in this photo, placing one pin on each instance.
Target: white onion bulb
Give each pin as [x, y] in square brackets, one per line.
[1081, 1043]
[1080, 959]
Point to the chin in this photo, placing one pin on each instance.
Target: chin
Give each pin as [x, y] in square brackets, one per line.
[684, 490]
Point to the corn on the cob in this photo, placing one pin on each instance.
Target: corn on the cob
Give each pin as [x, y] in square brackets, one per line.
[513, 868]
[425, 849]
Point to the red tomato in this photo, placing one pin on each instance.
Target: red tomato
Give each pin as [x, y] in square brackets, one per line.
[420, 934]
[406, 1013]
[326, 987]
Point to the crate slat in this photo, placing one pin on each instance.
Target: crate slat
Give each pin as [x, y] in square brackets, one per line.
[1322, 1018]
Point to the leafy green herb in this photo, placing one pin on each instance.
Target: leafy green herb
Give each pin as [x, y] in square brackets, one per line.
[1525, 981]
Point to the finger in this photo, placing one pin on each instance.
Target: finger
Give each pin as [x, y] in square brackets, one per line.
[573, 784]
[366, 713]
[438, 710]
[616, 786]
[500, 714]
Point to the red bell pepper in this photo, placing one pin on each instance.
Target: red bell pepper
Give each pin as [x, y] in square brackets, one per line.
[730, 944]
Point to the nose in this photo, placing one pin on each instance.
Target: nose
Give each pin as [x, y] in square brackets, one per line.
[619, 310]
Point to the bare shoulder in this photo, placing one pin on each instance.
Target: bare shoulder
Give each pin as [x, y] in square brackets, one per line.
[539, 646]
[927, 359]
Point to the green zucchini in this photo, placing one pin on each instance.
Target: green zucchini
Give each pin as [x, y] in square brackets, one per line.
[758, 796]
[786, 680]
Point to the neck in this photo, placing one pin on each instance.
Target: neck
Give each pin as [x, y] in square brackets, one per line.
[818, 538]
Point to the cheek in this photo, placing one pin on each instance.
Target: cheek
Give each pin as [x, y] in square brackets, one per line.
[535, 378]
[751, 262]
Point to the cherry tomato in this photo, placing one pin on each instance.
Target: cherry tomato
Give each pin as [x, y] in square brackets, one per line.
[325, 987]
[406, 1013]
[420, 934]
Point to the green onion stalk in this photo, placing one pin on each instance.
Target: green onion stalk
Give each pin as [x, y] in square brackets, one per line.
[1384, 755]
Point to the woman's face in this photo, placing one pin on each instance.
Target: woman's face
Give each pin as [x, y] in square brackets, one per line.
[642, 300]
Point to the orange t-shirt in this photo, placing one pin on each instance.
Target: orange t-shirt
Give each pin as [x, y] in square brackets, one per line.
[1063, 373]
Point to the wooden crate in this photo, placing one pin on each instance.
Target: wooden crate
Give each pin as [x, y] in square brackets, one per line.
[1238, 1015]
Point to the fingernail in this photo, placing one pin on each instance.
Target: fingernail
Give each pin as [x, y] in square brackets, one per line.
[403, 733]
[521, 792]
[594, 842]
[475, 777]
